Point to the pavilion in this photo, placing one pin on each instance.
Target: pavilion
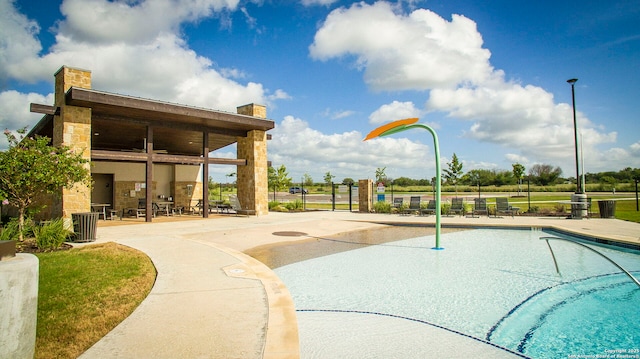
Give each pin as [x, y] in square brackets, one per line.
[141, 150]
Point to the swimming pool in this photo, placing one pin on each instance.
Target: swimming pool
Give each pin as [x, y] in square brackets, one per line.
[498, 286]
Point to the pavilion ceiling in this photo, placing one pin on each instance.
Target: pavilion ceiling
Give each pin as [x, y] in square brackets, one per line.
[119, 123]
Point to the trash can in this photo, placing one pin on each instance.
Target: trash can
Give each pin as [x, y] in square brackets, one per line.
[85, 226]
[607, 209]
[579, 205]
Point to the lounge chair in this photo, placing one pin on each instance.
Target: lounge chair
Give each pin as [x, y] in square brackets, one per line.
[457, 206]
[430, 209]
[502, 206]
[397, 203]
[235, 205]
[480, 206]
[414, 206]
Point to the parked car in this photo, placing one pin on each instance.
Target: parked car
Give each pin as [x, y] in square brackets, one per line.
[294, 190]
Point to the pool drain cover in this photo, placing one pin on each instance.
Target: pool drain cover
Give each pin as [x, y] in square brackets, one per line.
[289, 234]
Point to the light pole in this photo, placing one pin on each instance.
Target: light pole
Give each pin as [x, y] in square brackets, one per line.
[579, 199]
[579, 188]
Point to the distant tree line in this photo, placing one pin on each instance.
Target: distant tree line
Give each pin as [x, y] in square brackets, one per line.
[538, 174]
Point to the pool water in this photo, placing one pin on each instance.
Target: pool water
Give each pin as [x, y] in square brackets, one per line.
[500, 286]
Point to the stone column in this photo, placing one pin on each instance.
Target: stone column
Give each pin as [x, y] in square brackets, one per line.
[365, 204]
[253, 178]
[72, 128]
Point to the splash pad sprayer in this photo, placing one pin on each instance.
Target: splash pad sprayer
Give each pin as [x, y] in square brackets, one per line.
[407, 124]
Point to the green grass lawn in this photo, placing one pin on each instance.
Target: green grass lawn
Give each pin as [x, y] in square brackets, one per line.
[84, 293]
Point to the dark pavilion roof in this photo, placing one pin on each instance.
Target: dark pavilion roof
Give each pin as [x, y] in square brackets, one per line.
[119, 123]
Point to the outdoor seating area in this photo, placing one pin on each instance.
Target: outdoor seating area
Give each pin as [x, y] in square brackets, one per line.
[215, 206]
[237, 207]
[158, 208]
[503, 206]
[430, 209]
[457, 206]
[414, 206]
[479, 207]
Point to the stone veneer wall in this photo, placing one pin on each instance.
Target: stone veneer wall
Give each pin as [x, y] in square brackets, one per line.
[364, 195]
[72, 128]
[182, 198]
[123, 198]
[253, 178]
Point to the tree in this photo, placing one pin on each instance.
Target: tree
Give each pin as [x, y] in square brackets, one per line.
[479, 177]
[328, 178]
[404, 181]
[279, 178]
[307, 180]
[518, 173]
[230, 175]
[544, 174]
[31, 169]
[214, 188]
[380, 175]
[348, 181]
[454, 172]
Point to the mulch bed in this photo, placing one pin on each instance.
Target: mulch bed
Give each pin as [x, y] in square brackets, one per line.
[29, 246]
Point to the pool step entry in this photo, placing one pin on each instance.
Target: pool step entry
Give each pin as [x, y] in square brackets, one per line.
[522, 323]
[593, 250]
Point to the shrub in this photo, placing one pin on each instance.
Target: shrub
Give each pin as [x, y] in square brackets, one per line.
[296, 205]
[10, 231]
[273, 205]
[382, 207]
[51, 235]
[559, 208]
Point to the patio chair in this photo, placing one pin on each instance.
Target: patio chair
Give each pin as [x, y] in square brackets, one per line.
[235, 205]
[430, 209]
[502, 206]
[480, 206]
[457, 206]
[414, 205]
[397, 203]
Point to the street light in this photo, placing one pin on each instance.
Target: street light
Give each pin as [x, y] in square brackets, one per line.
[579, 188]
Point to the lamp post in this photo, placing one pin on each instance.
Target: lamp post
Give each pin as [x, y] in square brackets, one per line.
[572, 82]
[578, 199]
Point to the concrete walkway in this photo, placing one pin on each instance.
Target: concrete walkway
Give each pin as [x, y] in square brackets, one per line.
[212, 301]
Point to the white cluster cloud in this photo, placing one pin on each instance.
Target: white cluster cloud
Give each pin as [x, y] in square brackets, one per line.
[138, 48]
[394, 111]
[298, 146]
[134, 48]
[15, 115]
[415, 52]
[102, 21]
[423, 51]
[17, 40]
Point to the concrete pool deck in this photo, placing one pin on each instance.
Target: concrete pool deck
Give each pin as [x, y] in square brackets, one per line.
[210, 300]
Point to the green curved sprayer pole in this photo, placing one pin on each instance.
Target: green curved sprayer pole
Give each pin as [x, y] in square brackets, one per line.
[407, 124]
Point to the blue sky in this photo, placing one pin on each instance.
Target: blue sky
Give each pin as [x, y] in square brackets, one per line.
[490, 77]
